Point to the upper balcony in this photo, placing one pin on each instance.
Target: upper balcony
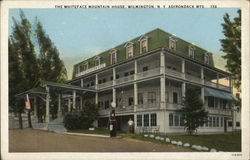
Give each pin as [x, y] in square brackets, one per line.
[149, 67]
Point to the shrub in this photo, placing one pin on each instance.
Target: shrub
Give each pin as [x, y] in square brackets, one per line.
[83, 119]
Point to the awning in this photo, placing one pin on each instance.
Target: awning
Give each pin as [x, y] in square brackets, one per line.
[218, 94]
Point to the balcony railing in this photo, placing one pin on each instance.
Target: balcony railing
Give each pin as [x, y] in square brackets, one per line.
[193, 79]
[154, 105]
[211, 84]
[226, 88]
[219, 111]
[173, 73]
[149, 73]
[124, 108]
[105, 85]
[124, 79]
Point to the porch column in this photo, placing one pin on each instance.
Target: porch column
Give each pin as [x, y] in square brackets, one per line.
[114, 76]
[183, 68]
[74, 99]
[230, 83]
[69, 108]
[114, 95]
[47, 105]
[162, 62]
[202, 95]
[81, 82]
[96, 97]
[135, 67]
[202, 75]
[183, 89]
[96, 81]
[163, 92]
[59, 111]
[81, 102]
[135, 96]
[217, 80]
[35, 107]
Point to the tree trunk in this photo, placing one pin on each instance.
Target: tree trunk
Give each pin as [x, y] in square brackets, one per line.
[20, 120]
[29, 119]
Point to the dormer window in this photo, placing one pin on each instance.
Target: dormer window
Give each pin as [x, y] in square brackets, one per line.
[129, 50]
[191, 51]
[85, 66]
[143, 44]
[172, 42]
[113, 56]
[206, 58]
[97, 61]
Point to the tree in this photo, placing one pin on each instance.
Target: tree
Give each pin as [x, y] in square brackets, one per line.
[24, 60]
[194, 114]
[231, 45]
[51, 67]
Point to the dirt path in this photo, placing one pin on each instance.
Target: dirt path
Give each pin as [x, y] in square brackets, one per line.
[29, 140]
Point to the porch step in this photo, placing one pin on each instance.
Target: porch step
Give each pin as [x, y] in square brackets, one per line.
[57, 125]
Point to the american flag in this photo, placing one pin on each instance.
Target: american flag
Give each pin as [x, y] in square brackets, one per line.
[27, 102]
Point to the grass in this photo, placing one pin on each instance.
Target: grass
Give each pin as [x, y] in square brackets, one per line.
[227, 142]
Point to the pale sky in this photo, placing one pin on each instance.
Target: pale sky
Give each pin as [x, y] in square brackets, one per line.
[86, 32]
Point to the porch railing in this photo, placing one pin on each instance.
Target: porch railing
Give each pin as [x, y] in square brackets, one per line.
[219, 111]
[193, 79]
[148, 105]
[149, 73]
[104, 85]
[124, 79]
[173, 73]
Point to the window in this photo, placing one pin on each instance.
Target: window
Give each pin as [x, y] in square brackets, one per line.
[230, 124]
[140, 98]
[111, 78]
[210, 121]
[176, 120]
[221, 121]
[126, 74]
[224, 104]
[214, 122]
[237, 124]
[151, 97]
[153, 119]
[167, 96]
[206, 59]
[106, 104]
[131, 101]
[92, 83]
[191, 51]
[87, 85]
[217, 121]
[129, 51]
[139, 120]
[145, 68]
[216, 103]
[97, 61]
[117, 76]
[171, 119]
[175, 97]
[85, 66]
[103, 80]
[100, 81]
[132, 72]
[113, 58]
[144, 45]
[146, 119]
[172, 43]
[211, 102]
[206, 122]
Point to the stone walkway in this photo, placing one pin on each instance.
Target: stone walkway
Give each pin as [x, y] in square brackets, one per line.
[30, 140]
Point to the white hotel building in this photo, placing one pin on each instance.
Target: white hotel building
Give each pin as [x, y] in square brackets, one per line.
[147, 77]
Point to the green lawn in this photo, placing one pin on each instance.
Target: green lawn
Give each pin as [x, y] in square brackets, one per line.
[230, 142]
[227, 142]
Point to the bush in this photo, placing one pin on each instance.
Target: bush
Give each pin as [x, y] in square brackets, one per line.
[83, 119]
